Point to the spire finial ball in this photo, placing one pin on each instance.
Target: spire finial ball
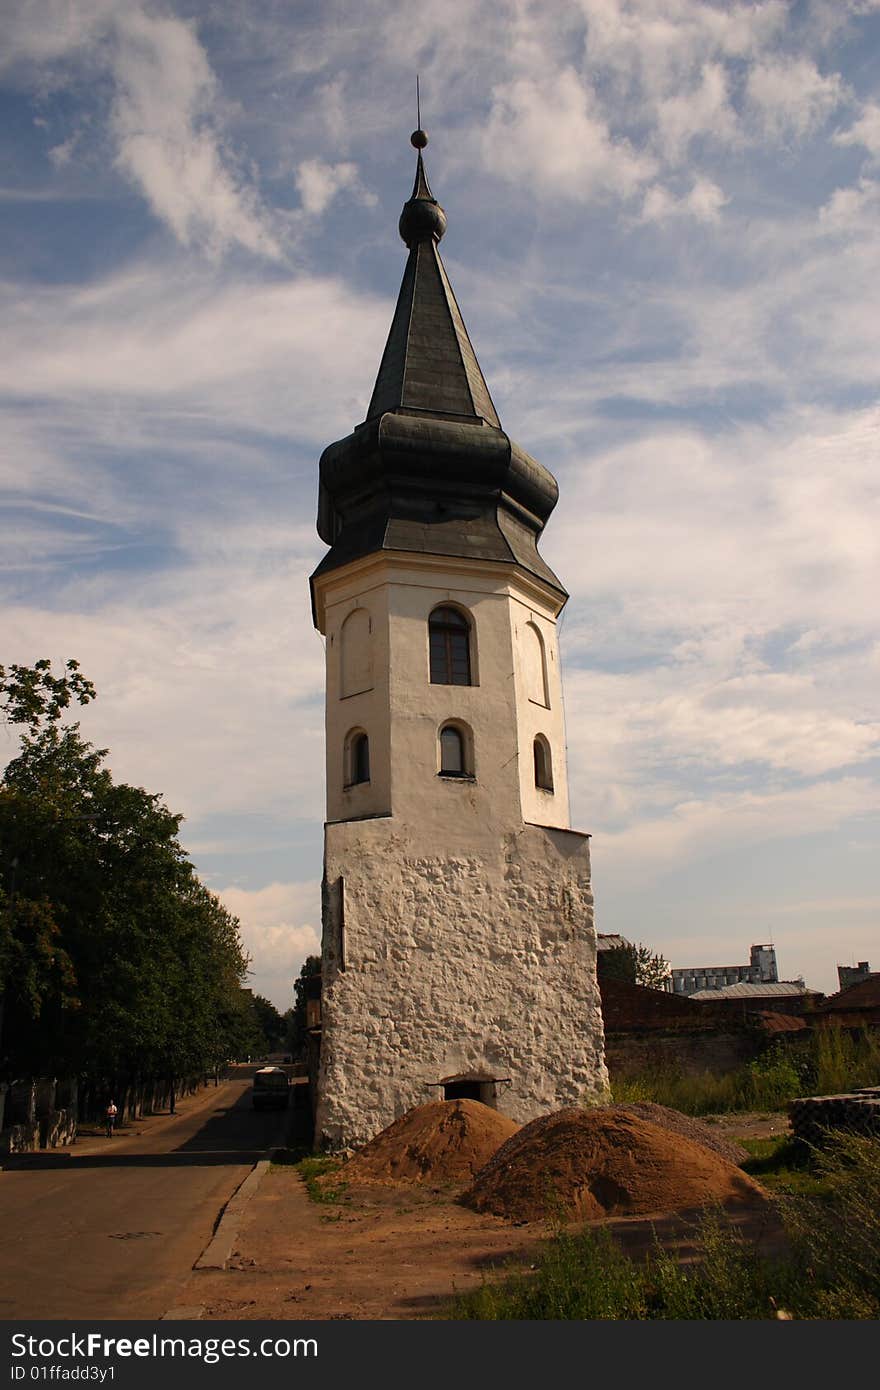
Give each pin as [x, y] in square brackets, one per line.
[418, 139]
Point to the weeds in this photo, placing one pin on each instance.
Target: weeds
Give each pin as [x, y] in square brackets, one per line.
[831, 1268]
[845, 1061]
[583, 1276]
[831, 1060]
[312, 1170]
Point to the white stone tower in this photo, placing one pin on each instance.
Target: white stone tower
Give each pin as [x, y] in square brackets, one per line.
[458, 943]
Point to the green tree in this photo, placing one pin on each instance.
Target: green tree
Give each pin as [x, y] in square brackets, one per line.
[33, 696]
[268, 1030]
[634, 965]
[297, 1015]
[116, 962]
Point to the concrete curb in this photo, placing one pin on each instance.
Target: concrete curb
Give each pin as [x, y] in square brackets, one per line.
[220, 1248]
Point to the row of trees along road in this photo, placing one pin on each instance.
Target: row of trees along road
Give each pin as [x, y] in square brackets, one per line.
[117, 966]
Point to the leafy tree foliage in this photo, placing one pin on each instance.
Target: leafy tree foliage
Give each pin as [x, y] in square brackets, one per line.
[115, 961]
[297, 1015]
[266, 1030]
[634, 965]
[32, 695]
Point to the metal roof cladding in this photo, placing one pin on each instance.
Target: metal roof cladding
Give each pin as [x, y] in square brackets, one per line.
[430, 470]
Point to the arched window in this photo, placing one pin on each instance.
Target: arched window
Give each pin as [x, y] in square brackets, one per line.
[455, 753]
[535, 664]
[451, 752]
[355, 654]
[543, 764]
[357, 758]
[449, 637]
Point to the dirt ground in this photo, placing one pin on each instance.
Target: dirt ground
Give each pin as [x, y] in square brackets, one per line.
[401, 1252]
[749, 1126]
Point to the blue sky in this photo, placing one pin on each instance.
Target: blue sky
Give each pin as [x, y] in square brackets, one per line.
[664, 236]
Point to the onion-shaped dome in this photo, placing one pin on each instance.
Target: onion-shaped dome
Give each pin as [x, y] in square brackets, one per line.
[431, 470]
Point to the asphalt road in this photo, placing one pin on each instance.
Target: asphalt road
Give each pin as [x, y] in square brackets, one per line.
[110, 1228]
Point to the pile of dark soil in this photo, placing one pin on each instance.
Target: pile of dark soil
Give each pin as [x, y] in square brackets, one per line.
[444, 1142]
[591, 1164]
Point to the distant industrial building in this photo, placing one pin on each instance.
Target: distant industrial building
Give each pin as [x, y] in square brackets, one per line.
[760, 970]
[852, 974]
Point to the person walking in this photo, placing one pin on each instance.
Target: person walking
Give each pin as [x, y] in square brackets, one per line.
[110, 1115]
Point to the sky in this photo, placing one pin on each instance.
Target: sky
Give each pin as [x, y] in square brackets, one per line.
[664, 234]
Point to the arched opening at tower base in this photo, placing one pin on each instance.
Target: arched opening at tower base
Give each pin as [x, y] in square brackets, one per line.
[472, 1086]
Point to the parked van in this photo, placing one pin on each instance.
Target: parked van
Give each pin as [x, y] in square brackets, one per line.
[271, 1089]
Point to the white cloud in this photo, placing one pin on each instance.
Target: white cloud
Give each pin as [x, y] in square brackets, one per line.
[209, 678]
[50, 31]
[723, 629]
[292, 356]
[659, 43]
[865, 131]
[790, 97]
[318, 183]
[703, 201]
[166, 120]
[280, 926]
[852, 209]
[698, 827]
[702, 110]
[63, 153]
[553, 136]
[721, 644]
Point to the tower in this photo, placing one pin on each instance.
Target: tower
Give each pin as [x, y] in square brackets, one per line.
[458, 949]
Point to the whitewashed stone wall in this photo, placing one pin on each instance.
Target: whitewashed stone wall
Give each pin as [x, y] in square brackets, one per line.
[441, 960]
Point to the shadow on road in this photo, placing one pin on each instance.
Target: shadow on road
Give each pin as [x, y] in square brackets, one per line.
[231, 1134]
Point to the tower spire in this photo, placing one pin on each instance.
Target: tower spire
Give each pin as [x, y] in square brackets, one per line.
[430, 468]
[429, 364]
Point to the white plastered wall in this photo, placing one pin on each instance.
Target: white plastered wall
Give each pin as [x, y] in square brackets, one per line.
[466, 959]
[465, 928]
[403, 712]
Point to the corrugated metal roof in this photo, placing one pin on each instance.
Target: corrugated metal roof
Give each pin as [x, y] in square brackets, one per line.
[781, 1023]
[606, 941]
[746, 991]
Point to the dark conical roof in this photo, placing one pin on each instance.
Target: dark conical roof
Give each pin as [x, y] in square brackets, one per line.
[430, 469]
[429, 363]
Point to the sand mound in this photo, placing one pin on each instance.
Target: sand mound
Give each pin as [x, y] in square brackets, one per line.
[698, 1130]
[446, 1141]
[590, 1164]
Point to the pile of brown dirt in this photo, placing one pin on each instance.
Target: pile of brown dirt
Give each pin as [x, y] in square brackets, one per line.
[590, 1164]
[446, 1141]
[687, 1125]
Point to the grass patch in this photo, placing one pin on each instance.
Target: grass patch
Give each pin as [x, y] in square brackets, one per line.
[831, 1269]
[312, 1170]
[587, 1276]
[782, 1164]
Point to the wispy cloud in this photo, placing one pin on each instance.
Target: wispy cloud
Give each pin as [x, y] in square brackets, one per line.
[166, 115]
[664, 238]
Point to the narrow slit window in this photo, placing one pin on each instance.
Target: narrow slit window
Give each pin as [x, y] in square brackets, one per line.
[543, 765]
[452, 763]
[359, 759]
[449, 637]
